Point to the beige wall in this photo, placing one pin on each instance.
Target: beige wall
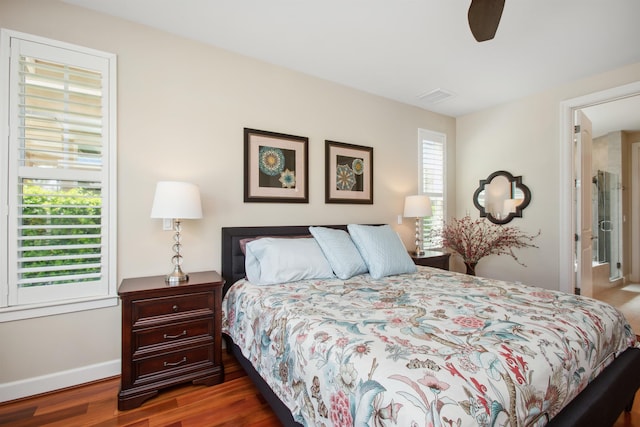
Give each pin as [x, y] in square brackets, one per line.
[524, 137]
[182, 107]
[607, 153]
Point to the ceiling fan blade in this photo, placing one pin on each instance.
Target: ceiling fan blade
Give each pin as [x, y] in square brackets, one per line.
[484, 17]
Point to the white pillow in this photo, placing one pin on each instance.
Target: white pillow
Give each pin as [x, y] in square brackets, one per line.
[382, 250]
[340, 251]
[275, 260]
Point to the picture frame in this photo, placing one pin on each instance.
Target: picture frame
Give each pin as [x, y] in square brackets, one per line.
[348, 173]
[276, 167]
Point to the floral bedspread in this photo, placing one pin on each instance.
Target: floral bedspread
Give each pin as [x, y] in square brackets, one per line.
[433, 348]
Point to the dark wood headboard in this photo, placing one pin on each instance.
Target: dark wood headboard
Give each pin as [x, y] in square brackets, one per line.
[232, 256]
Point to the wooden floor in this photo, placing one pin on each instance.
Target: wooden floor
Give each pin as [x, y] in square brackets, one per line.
[236, 402]
[626, 298]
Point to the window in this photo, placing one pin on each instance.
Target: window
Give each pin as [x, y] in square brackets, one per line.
[58, 160]
[432, 180]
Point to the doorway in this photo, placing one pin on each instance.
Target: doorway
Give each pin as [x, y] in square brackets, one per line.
[615, 229]
[567, 205]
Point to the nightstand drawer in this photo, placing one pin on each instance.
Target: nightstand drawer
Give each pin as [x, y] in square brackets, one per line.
[153, 310]
[173, 364]
[152, 339]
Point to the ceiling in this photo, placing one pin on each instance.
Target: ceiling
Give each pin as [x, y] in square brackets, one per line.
[403, 49]
[621, 114]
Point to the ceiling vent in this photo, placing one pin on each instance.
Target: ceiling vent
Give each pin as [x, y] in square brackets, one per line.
[436, 95]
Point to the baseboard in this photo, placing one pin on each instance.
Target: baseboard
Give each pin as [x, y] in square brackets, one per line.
[59, 380]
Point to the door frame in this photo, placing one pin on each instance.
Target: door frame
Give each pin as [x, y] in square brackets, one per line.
[567, 223]
[635, 208]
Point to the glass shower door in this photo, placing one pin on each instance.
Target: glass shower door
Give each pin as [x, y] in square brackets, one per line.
[608, 221]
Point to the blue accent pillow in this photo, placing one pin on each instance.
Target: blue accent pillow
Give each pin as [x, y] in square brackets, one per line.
[340, 251]
[382, 250]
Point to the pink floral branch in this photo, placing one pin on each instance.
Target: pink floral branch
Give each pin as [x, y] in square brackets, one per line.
[476, 239]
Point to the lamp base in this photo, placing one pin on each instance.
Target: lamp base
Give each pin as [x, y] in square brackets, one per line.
[176, 277]
[419, 251]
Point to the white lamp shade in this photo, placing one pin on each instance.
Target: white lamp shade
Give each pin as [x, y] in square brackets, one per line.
[417, 206]
[176, 200]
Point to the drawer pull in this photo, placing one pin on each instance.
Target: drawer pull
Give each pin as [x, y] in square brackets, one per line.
[172, 337]
[175, 308]
[179, 362]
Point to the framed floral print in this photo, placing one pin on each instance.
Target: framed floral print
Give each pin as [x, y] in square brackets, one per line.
[348, 173]
[275, 167]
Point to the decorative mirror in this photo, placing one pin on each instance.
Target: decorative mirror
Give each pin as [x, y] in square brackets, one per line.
[501, 197]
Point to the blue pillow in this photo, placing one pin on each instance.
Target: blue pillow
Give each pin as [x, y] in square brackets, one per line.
[340, 251]
[382, 250]
[270, 261]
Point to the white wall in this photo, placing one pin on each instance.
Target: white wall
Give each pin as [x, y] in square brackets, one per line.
[182, 107]
[523, 137]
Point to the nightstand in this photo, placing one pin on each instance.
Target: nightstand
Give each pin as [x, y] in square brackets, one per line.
[435, 259]
[170, 335]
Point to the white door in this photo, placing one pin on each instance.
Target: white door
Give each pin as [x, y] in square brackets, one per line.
[584, 230]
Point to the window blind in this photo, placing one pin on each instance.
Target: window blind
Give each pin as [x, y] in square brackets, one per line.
[432, 168]
[59, 174]
[58, 250]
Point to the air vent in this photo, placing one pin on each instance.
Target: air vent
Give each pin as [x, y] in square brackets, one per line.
[436, 95]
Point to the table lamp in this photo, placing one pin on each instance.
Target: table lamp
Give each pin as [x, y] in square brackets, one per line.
[176, 201]
[418, 206]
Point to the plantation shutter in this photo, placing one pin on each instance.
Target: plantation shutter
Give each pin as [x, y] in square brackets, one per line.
[58, 174]
[432, 171]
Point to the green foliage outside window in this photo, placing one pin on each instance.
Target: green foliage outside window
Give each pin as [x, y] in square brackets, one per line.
[60, 229]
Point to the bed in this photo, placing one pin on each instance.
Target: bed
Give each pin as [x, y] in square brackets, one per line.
[518, 355]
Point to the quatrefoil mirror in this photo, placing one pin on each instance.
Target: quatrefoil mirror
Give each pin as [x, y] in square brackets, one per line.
[501, 197]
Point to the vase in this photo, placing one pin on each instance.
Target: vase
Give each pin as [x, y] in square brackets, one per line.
[471, 268]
